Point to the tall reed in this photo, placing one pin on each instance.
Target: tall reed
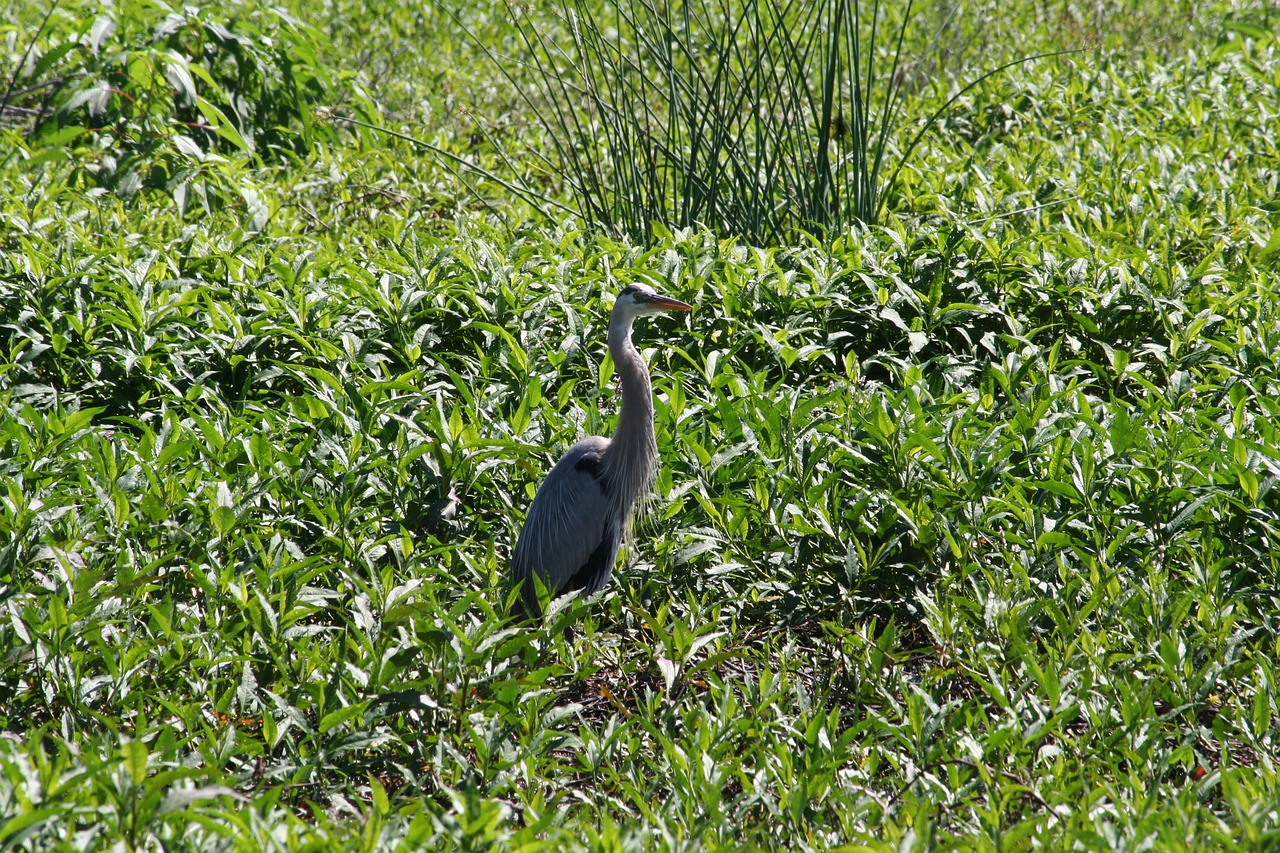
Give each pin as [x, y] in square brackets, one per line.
[758, 119]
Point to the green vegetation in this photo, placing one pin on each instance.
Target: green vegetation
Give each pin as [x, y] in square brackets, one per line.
[759, 119]
[965, 534]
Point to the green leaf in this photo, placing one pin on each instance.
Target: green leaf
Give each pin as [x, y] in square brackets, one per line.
[80, 419]
[1053, 539]
[134, 754]
[336, 718]
[222, 126]
[1121, 431]
[26, 824]
[62, 136]
[1272, 246]
[104, 26]
[224, 519]
[378, 794]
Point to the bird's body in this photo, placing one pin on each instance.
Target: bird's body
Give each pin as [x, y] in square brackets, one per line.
[581, 512]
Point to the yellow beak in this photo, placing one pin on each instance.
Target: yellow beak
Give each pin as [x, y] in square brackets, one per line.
[666, 303]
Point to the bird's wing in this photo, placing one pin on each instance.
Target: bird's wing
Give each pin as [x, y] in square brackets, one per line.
[572, 533]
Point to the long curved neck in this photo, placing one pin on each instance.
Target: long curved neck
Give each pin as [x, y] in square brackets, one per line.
[631, 461]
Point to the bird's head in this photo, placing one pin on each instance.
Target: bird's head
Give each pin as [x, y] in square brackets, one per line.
[637, 299]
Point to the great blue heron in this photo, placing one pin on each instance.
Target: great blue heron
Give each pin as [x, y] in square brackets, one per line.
[581, 512]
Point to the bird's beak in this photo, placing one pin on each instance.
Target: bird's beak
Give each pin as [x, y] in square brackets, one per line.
[666, 303]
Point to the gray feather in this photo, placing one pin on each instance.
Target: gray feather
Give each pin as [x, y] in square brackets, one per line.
[566, 523]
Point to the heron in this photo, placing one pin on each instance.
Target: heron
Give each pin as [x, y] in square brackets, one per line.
[582, 511]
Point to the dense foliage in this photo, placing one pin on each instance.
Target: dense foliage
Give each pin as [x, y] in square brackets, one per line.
[965, 534]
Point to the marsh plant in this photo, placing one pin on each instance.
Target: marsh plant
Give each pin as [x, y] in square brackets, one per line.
[758, 119]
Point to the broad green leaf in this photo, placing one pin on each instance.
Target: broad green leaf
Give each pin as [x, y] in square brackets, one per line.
[134, 753]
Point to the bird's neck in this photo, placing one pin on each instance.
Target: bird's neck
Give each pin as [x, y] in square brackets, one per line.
[631, 460]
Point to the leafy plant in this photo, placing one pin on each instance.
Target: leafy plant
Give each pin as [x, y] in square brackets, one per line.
[154, 97]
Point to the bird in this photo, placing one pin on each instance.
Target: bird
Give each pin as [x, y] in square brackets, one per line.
[582, 511]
